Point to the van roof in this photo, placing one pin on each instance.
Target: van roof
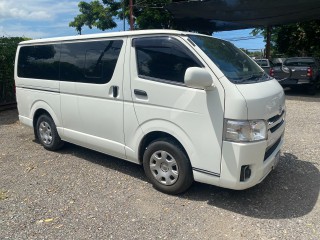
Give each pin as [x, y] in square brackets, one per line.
[106, 35]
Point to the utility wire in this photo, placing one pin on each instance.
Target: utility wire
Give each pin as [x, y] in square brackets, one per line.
[242, 38]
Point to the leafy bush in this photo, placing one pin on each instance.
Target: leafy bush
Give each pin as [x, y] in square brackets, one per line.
[8, 47]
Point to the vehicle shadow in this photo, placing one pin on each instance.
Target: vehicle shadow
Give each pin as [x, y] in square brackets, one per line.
[104, 160]
[290, 191]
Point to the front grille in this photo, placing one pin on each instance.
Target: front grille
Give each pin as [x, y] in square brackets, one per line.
[276, 127]
[271, 149]
[276, 119]
[274, 124]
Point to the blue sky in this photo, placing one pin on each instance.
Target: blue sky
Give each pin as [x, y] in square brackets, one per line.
[50, 18]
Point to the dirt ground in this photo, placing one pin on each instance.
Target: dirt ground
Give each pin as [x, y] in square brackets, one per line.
[77, 193]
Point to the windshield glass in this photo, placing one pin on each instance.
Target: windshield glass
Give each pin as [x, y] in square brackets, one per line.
[236, 65]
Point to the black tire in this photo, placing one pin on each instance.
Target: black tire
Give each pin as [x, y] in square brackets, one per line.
[311, 89]
[47, 133]
[174, 173]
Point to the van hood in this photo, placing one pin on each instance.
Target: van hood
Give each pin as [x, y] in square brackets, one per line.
[264, 99]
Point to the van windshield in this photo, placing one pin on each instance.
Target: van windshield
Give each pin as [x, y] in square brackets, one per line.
[235, 65]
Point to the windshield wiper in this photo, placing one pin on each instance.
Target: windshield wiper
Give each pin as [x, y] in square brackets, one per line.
[256, 76]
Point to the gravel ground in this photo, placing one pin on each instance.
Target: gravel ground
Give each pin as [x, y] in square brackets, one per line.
[77, 193]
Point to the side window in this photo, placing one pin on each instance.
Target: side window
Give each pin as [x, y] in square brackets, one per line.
[40, 61]
[163, 58]
[89, 62]
[93, 68]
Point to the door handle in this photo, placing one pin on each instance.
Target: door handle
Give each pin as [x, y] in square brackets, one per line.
[141, 93]
[115, 91]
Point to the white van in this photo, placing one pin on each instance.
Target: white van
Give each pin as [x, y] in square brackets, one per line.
[186, 106]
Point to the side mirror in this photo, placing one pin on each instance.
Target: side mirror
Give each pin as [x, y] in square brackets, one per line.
[198, 78]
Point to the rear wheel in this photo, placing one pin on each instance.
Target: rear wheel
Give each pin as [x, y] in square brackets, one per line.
[47, 133]
[311, 89]
[167, 167]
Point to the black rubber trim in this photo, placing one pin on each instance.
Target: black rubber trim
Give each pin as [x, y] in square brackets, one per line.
[206, 172]
[276, 127]
[163, 81]
[275, 118]
[272, 149]
[39, 89]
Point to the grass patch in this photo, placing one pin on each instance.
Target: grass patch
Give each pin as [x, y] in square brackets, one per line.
[3, 195]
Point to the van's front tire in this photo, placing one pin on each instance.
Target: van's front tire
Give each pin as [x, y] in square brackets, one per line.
[167, 167]
[47, 133]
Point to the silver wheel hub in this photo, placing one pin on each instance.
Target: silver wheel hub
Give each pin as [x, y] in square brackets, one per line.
[45, 133]
[164, 167]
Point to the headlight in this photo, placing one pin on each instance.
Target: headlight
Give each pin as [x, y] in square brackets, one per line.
[245, 131]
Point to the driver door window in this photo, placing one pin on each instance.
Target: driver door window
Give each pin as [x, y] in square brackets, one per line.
[163, 58]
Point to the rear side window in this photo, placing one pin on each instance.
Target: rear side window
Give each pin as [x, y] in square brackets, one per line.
[163, 58]
[40, 62]
[89, 62]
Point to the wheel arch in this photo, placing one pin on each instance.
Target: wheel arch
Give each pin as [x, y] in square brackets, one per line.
[157, 135]
[39, 108]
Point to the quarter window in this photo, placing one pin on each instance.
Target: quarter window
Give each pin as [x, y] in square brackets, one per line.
[163, 58]
[39, 62]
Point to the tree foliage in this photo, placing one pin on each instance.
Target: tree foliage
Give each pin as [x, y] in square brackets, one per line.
[8, 48]
[148, 14]
[299, 39]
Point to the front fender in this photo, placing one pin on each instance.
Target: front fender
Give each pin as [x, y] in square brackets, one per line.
[160, 125]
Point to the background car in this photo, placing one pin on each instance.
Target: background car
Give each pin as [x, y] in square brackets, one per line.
[298, 72]
[266, 64]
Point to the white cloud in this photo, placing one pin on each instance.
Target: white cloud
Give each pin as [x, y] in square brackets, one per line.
[11, 9]
[20, 31]
[36, 10]
[41, 18]
[37, 18]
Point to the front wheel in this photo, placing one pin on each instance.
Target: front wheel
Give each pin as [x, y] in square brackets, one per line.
[167, 167]
[47, 133]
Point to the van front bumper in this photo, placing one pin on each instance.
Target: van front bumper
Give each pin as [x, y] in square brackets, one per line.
[255, 155]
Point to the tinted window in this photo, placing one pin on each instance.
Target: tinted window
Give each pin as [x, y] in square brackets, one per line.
[41, 61]
[163, 58]
[89, 62]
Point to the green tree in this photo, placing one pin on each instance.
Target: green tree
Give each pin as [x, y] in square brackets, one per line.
[301, 39]
[148, 14]
[298, 39]
[274, 36]
[8, 48]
